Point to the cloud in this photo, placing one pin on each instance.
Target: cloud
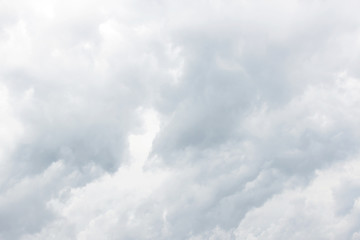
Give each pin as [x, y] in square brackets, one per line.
[308, 212]
[168, 120]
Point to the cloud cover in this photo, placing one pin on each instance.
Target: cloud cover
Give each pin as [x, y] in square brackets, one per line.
[179, 120]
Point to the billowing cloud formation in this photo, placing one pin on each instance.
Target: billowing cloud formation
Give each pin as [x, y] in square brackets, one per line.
[179, 120]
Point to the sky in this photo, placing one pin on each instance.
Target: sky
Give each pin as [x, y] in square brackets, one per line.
[192, 119]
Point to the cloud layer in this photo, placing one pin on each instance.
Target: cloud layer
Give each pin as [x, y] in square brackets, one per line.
[179, 120]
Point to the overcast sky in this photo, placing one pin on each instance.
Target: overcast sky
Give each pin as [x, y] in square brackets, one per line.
[192, 119]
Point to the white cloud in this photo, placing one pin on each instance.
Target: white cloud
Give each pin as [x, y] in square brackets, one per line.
[179, 120]
[308, 212]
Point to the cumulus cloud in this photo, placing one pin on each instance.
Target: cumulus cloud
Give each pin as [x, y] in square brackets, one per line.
[179, 120]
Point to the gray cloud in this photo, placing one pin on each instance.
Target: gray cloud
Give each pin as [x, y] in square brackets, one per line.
[169, 120]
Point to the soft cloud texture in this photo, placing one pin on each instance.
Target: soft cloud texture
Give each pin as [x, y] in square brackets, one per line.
[179, 120]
